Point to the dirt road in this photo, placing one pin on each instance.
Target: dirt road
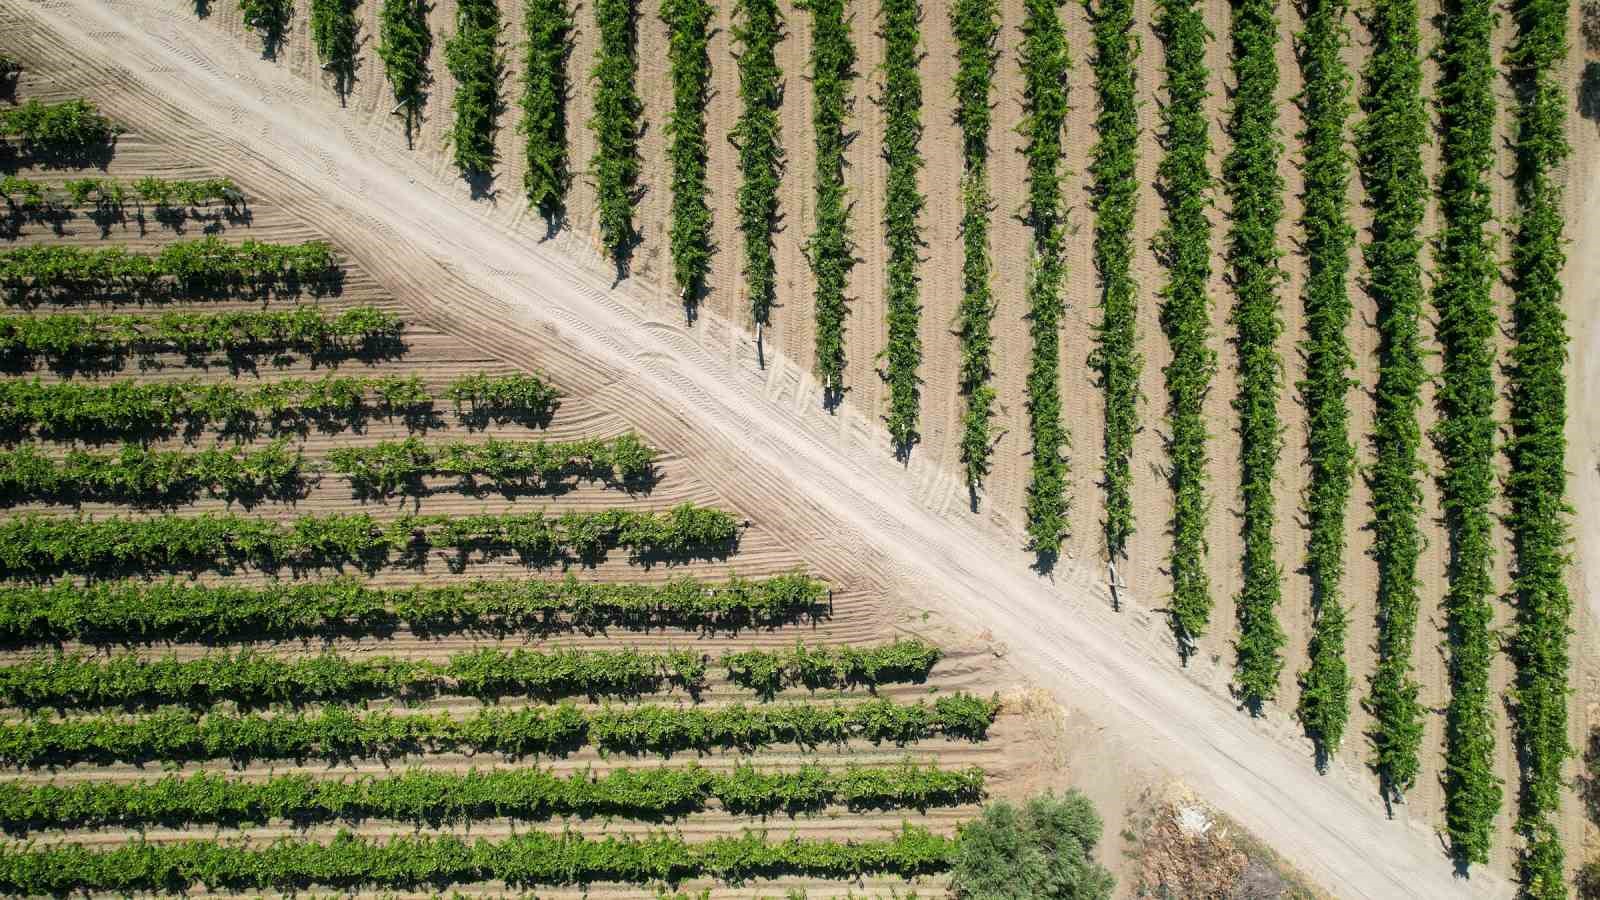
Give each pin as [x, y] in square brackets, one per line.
[395, 215]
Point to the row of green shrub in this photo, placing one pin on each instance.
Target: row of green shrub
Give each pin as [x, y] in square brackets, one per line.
[112, 195]
[134, 408]
[756, 33]
[434, 861]
[689, 32]
[404, 43]
[1466, 267]
[141, 475]
[340, 732]
[70, 336]
[1324, 706]
[616, 123]
[976, 25]
[398, 467]
[270, 17]
[132, 611]
[1184, 248]
[33, 544]
[71, 127]
[474, 59]
[768, 671]
[334, 32]
[547, 26]
[434, 798]
[1255, 196]
[901, 102]
[200, 265]
[1389, 152]
[1536, 484]
[1112, 166]
[830, 249]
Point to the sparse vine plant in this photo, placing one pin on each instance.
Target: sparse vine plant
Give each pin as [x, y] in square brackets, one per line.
[547, 28]
[830, 250]
[616, 124]
[474, 59]
[688, 25]
[901, 99]
[404, 44]
[757, 29]
[334, 32]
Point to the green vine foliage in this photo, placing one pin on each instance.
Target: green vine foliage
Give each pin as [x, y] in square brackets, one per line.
[432, 798]
[901, 101]
[1255, 193]
[110, 196]
[1463, 301]
[688, 26]
[976, 24]
[139, 611]
[474, 59]
[830, 249]
[1113, 163]
[340, 732]
[335, 32]
[33, 544]
[1389, 151]
[768, 672]
[432, 861]
[65, 273]
[143, 476]
[1184, 247]
[757, 29]
[1044, 67]
[71, 128]
[547, 26]
[1324, 706]
[616, 124]
[1536, 485]
[271, 18]
[404, 43]
[390, 468]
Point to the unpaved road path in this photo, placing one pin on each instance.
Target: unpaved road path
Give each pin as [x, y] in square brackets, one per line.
[158, 65]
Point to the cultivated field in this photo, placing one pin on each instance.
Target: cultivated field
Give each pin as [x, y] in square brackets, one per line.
[445, 341]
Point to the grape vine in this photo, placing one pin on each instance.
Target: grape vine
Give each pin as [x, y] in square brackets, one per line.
[830, 250]
[474, 59]
[547, 25]
[902, 107]
[688, 23]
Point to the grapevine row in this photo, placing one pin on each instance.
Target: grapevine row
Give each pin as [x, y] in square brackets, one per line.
[1255, 194]
[1113, 163]
[144, 611]
[339, 732]
[617, 111]
[520, 861]
[404, 43]
[474, 59]
[1184, 246]
[1536, 486]
[398, 467]
[1465, 436]
[204, 264]
[1389, 151]
[72, 337]
[1044, 68]
[688, 24]
[830, 250]
[333, 32]
[1324, 706]
[756, 136]
[902, 108]
[138, 408]
[111, 195]
[68, 128]
[768, 672]
[159, 477]
[547, 25]
[527, 794]
[976, 24]
[271, 18]
[35, 545]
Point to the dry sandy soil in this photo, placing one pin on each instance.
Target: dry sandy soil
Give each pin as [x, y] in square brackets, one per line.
[476, 271]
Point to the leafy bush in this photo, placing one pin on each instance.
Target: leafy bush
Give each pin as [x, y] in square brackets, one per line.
[118, 612]
[157, 477]
[32, 544]
[830, 250]
[616, 123]
[404, 43]
[109, 195]
[203, 265]
[473, 57]
[1115, 190]
[768, 672]
[1184, 247]
[427, 797]
[1255, 193]
[756, 33]
[902, 109]
[68, 128]
[1466, 268]
[1044, 96]
[1324, 707]
[397, 467]
[1043, 850]
[547, 25]
[431, 861]
[689, 23]
[1536, 485]
[1389, 151]
[333, 32]
[976, 24]
[271, 18]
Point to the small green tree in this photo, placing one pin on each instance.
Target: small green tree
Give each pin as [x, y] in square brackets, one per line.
[1043, 851]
